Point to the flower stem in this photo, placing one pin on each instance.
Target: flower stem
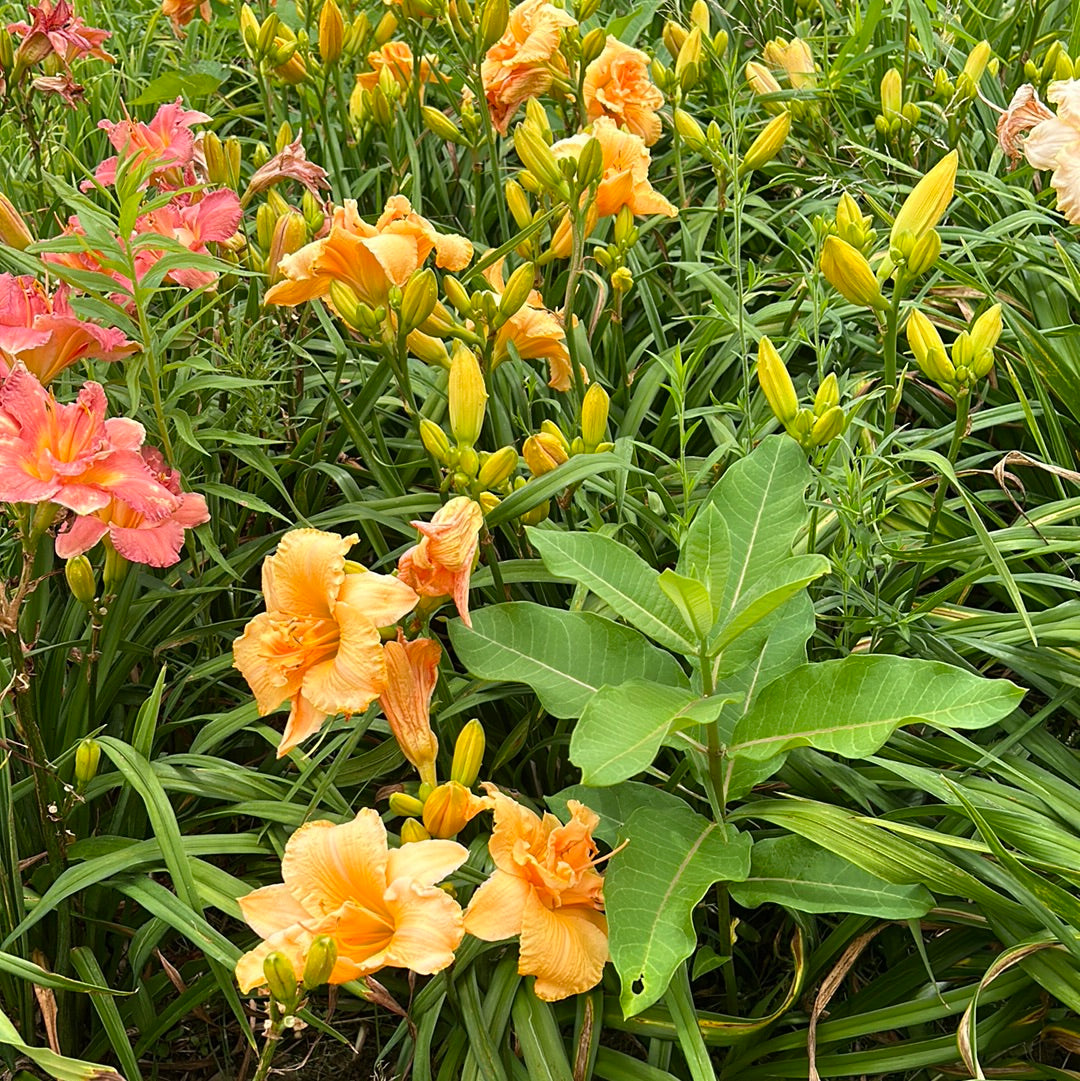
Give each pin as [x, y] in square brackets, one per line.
[892, 313]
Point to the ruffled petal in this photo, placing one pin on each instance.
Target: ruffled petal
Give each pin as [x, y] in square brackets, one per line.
[425, 862]
[83, 533]
[427, 927]
[271, 910]
[496, 909]
[382, 598]
[304, 576]
[564, 948]
[356, 675]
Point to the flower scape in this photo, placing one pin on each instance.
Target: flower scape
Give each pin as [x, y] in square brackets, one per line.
[539, 540]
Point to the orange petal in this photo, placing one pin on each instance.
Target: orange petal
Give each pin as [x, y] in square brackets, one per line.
[397, 255]
[452, 252]
[382, 598]
[496, 908]
[425, 862]
[325, 865]
[427, 927]
[565, 948]
[304, 720]
[272, 909]
[356, 675]
[304, 576]
[262, 654]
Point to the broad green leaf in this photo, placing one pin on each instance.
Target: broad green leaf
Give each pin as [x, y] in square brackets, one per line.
[706, 553]
[622, 727]
[614, 804]
[852, 705]
[798, 874]
[651, 889]
[618, 576]
[691, 598]
[200, 80]
[566, 657]
[58, 1066]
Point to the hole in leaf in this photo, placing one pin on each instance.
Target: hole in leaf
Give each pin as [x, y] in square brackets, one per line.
[638, 986]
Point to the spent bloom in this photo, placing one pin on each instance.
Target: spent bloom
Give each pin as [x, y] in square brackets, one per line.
[154, 540]
[1025, 111]
[291, 163]
[1054, 143]
[441, 564]
[56, 29]
[524, 61]
[39, 329]
[625, 178]
[412, 670]
[317, 645]
[71, 455]
[546, 889]
[381, 906]
[617, 85]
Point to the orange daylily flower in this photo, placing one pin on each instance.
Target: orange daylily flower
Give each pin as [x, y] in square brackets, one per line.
[181, 12]
[380, 906]
[441, 564]
[397, 58]
[536, 333]
[368, 258]
[412, 669]
[625, 180]
[523, 62]
[451, 807]
[545, 889]
[317, 645]
[617, 85]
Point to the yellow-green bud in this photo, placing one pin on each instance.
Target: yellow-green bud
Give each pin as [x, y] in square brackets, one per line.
[762, 82]
[80, 579]
[233, 153]
[689, 53]
[549, 427]
[892, 95]
[518, 203]
[418, 301]
[924, 253]
[446, 810]
[926, 204]
[690, 131]
[412, 830]
[622, 280]
[592, 44]
[768, 144]
[457, 295]
[720, 42]
[928, 348]
[590, 165]
[543, 453]
[290, 235]
[438, 123]
[848, 272]
[498, 467]
[385, 29]
[468, 396]
[673, 35]
[347, 304]
[828, 426]
[488, 501]
[320, 961]
[493, 21]
[468, 463]
[87, 759]
[828, 395]
[977, 60]
[776, 383]
[516, 293]
[986, 330]
[331, 32]
[249, 30]
[281, 979]
[594, 416]
[435, 441]
[406, 806]
[699, 15]
[267, 32]
[537, 157]
[468, 754]
[851, 224]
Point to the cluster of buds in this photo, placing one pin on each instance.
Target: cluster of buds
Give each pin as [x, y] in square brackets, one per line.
[693, 51]
[478, 474]
[280, 230]
[793, 61]
[914, 243]
[810, 427]
[468, 130]
[274, 47]
[965, 88]
[443, 810]
[897, 118]
[287, 989]
[970, 359]
[612, 257]
[1056, 65]
[550, 447]
[564, 180]
[851, 225]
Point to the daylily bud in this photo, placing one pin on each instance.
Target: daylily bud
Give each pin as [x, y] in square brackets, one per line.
[488, 501]
[80, 579]
[331, 32]
[290, 235]
[87, 759]
[590, 166]
[926, 204]
[497, 468]
[265, 220]
[761, 80]
[406, 806]
[537, 157]
[594, 416]
[827, 396]
[457, 295]
[438, 123]
[468, 753]
[767, 145]
[347, 304]
[468, 464]
[446, 810]
[720, 42]
[928, 348]
[689, 53]
[518, 203]
[674, 35]
[412, 830]
[419, 298]
[213, 152]
[776, 383]
[892, 94]
[977, 60]
[435, 441]
[549, 427]
[493, 20]
[468, 396]
[622, 280]
[115, 570]
[985, 332]
[281, 979]
[924, 253]
[320, 961]
[827, 427]
[233, 155]
[516, 292]
[385, 29]
[851, 224]
[963, 356]
[699, 15]
[267, 32]
[536, 119]
[798, 62]
[13, 230]
[847, 271]
[689, 130]
[428, 349]
[543, 453]
[249, 30]
[592, 44]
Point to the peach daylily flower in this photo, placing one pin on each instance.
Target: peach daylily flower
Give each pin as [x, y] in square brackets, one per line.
[544, 888]
[368, 258]
[625, 180]
[317, 645]
[181, 12]
[441, 564]
[42, 331]
[397, 58]
[522, 63]
[617, 85]
[412, 669]
[380, 906]
[1055, 144]
[535, 332]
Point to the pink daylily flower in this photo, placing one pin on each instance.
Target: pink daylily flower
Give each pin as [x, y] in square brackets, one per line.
[57, 29]
[155, 542]
[42, 331]
[71, 455]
